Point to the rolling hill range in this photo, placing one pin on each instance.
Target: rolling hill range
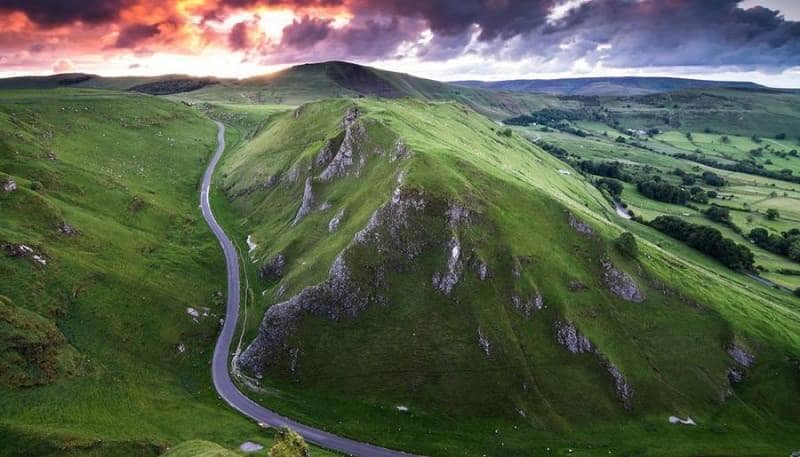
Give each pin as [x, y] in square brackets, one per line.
[604, 86]
[416, 274]
[419, 266]
[294, 86]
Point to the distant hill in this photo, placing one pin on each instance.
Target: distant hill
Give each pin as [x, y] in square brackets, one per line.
[297, 85]
[155, 85]
[604, 86]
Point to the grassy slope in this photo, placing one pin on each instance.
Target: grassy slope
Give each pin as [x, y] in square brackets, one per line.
[753, 195]
[422, 351]
[119, 291]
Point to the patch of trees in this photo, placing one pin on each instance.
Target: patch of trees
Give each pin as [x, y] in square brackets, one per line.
[546, 116]
[662, 191]
[607, 169]
[707, 240]
[554, 150]
[742, 166]
[786, 244]
[613, 186]
[713, 179]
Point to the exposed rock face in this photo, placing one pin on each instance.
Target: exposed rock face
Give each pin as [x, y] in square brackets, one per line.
[400, 151]
[272, 269]
[333, 225]
[569, 337]
[527, 307]
[575, 342]
[482, 270]
[308, 202]
[444, 282]
[485, 344]
[743, 358]
[579, 226]
[271, 181]
[22, 250]
[457, 216]
[67, 229]
[740, 355]
[325, 154]
[339, 296]
[293, 175]
[9, 185]
[576, 286]
[623, 389]
[343, 159]
[620, 284]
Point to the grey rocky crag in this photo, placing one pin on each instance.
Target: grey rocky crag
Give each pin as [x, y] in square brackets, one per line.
[457, 216]
[394, 231]
[444, 282]
[401, 151]
[575, 342]
[621, 386]
[482, 269]
[484, 343]
[579, 226]
[67, 229]
[621, 284]
[342, 161]
[333, 224]
[743, 359]
[272, 269]
[271, 181]
[9, 185]
[307, 203]
[526, 307]
[568, 336]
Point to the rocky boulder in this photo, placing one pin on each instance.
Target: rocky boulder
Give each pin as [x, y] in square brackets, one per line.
[620, 284]
[9, 185]
[272, 270]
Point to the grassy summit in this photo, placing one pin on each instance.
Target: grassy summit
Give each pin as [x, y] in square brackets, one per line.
[432, 282]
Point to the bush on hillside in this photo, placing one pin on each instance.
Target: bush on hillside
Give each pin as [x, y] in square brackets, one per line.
[626, 244]
[288, 443]
[663, 192]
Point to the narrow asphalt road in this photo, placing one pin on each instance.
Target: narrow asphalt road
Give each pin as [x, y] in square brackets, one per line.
[219, 365]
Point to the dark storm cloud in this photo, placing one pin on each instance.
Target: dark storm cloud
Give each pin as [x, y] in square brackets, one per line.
[306, 32]
[238, 37]
[58, 12]
[674, 33]
[134, 34]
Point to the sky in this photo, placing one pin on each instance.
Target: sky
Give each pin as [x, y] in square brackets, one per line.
[753, 40]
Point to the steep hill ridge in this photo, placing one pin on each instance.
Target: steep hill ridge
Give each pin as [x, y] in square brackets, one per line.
[465, 276]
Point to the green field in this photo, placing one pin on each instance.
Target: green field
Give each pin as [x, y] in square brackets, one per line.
[99, 354]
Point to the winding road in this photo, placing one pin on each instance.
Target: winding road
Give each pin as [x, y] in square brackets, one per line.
[219, 366]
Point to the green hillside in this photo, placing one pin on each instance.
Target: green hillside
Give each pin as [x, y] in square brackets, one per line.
[433, 282]
[109, 279]
[303, 83]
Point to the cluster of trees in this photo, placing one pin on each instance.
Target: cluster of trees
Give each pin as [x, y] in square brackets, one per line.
[707, 240]
[554, 150]
[786, 244]
[607, 169]
[547, 116]
[743, 166]
[662, 191]
[613, 186]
